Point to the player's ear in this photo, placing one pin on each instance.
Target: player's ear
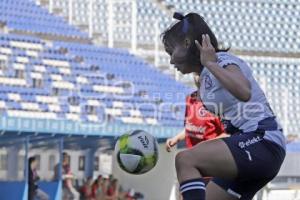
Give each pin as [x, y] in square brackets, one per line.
[187, 43]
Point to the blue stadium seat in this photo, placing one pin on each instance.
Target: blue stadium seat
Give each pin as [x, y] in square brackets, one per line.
[27, 16]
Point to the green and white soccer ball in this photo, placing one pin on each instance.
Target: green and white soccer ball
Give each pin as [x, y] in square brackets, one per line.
[136, 152]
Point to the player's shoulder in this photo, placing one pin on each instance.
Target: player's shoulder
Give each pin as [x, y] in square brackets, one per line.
[225, 58]
[226, 55]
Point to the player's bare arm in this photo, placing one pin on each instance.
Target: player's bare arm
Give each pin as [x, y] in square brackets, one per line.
[230, 77]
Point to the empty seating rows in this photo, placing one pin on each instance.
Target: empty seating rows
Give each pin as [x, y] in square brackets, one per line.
[62, 80]
[256, 26]
[25, 15]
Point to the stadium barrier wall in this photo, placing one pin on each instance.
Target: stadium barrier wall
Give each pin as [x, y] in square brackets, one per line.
[70, 127]
[10, 190]
[51, 188]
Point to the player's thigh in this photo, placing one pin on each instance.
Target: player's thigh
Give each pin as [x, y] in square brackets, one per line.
[215, 192]
[213, 158]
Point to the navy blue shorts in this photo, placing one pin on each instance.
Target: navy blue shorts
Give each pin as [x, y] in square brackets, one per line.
[258, 161]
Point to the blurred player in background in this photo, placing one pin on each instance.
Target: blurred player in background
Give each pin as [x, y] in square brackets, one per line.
[69, 192]
[200, 124]
[86, 192]
[253, 155]
[34, 192]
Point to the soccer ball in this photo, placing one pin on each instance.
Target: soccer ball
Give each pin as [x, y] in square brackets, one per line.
[136, 152]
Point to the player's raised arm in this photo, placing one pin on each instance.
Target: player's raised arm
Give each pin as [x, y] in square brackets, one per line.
[230, 77]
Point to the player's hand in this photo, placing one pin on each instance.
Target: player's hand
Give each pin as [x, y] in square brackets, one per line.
[207, 51]
[171, 143]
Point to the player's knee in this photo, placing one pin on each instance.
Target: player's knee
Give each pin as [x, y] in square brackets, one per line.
[183, 159]
[187, 159]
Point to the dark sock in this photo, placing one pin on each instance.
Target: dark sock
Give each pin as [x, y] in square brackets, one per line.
[193, 189]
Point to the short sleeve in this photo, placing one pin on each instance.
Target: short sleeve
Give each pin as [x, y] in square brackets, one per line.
[224, 59]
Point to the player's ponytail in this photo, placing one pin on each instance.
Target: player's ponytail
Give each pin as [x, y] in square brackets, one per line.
[191, 26]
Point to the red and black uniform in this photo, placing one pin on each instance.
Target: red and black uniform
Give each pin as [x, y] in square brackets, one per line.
[86, 192]
[200, 124]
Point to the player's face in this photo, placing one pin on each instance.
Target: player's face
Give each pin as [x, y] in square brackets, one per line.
[180, 58]
[66, 159]
[34, 164]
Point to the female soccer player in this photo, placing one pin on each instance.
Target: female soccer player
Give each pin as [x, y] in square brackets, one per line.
[252, 157]
[200, 124]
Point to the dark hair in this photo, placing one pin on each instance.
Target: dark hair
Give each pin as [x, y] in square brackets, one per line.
[191, 26]
[31, 160]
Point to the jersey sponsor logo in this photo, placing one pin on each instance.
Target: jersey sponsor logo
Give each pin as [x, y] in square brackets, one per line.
[195, 135]
[193, 128]
[249, 142]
